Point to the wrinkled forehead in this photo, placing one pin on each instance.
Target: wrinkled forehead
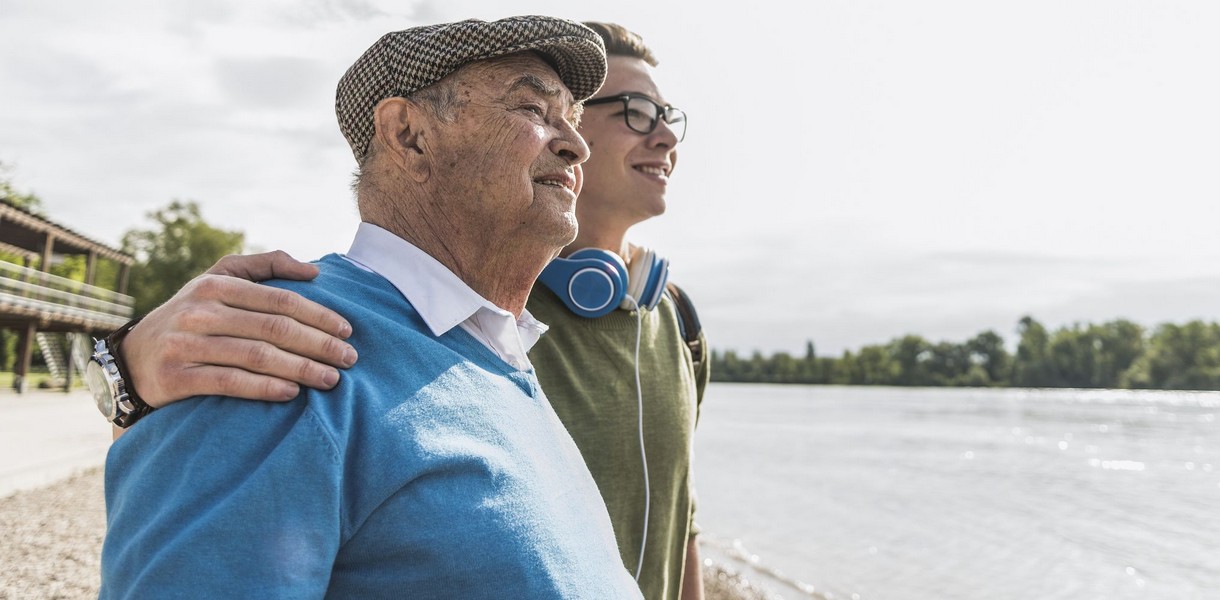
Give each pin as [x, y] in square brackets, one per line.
[528, 70]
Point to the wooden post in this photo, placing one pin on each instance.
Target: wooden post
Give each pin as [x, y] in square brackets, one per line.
[25, 353]
[124, 271]
[48, 248]
[70, 358]
[91, 267]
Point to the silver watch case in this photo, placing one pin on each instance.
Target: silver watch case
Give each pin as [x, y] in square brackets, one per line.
[107, 385]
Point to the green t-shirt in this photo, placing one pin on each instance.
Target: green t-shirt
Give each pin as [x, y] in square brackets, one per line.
[587, 369]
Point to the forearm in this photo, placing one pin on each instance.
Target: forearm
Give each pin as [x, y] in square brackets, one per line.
[692, 576]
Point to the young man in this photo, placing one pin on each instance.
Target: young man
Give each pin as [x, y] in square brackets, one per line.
[224, 335]
[392, 483]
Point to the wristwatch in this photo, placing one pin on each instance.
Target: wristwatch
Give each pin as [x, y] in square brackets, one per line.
[110, 383]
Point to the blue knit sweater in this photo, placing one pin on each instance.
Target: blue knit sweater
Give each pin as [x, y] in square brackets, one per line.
[433, 470]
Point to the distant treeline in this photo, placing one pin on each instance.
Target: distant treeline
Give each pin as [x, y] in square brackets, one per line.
[1118, 354]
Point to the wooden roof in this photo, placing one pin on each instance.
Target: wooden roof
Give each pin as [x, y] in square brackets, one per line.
[23, 232]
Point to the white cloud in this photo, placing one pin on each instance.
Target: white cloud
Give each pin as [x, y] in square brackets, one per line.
[854, 171]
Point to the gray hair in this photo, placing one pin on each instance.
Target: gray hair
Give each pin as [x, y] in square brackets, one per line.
[440, 98]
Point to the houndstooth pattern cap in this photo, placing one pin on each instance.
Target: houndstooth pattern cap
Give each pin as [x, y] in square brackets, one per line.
[403, 62]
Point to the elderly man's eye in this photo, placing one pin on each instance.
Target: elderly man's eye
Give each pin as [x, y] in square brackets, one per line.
[534, 108]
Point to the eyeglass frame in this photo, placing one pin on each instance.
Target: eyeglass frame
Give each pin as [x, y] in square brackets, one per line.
[662, 111]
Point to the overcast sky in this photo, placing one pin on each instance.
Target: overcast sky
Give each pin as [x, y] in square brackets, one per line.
[853, 171]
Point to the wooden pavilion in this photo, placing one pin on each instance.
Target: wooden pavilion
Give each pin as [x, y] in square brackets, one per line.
[58, 314]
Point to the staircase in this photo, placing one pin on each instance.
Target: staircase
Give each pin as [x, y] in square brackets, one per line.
[58, 348]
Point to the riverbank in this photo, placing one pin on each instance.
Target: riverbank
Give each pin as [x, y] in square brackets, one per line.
[53, 542]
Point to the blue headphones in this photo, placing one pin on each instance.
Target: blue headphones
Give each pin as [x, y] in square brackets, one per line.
[593, 282]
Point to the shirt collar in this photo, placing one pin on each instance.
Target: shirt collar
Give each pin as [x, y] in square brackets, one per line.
[440, 297]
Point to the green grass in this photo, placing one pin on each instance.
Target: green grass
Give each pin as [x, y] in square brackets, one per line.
[37, 379]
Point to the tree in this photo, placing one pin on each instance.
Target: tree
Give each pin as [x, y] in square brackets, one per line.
[1123, 343]
[808, 368]
[1179, 357]
[1030, 369]
[180, 247]
[873, 366]
[910, 353]
[8, 193]
[29, 202]
[987, 351]
[949, 364]
[1117, 354]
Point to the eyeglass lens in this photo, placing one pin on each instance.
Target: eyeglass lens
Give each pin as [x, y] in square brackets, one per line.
[642, 116]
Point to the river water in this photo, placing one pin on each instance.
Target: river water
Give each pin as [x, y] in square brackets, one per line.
[876, 493]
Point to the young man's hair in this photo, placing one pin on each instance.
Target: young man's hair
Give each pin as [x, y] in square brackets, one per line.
[621, 41]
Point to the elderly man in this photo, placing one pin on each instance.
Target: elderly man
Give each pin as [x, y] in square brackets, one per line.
[437, 469]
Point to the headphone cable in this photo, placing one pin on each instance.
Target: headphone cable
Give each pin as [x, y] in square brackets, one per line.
[639, 390]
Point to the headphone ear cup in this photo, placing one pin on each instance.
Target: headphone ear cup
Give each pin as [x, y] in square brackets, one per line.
[590, 282]
[649, 272]
[657, 277]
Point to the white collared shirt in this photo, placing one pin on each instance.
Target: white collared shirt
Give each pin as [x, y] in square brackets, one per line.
[441, 298]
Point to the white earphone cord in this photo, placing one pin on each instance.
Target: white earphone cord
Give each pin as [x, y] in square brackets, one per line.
[639, 391]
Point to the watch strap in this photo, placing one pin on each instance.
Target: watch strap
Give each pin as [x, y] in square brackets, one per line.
[126, 416]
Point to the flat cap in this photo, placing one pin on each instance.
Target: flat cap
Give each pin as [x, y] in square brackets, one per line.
[404, 62]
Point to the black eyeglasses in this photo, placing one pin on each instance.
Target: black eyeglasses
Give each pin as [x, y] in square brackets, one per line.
[642, 114]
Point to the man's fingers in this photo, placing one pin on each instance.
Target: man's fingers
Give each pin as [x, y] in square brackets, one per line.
[268, 265]
[252, 267]
[249, 296]
[261, 358]
[235, 366]
[238, 383]
[284, 266]
[217, 326]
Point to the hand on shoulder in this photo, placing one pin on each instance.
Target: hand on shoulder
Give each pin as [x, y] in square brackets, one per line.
[225, 334]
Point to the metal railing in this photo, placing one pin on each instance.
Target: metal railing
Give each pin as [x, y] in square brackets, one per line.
[60, 298]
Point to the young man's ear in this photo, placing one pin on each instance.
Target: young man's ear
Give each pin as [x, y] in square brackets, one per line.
[400, 127]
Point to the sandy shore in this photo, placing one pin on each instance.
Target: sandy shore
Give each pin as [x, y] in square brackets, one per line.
[53, 541]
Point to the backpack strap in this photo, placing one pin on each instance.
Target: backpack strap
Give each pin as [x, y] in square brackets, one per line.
[688, 323]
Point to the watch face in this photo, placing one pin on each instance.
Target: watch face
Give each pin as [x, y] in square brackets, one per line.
[99, 385]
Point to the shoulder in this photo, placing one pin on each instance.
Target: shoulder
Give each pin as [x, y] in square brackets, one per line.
[688, 317]
[366, 299]
[338, 281]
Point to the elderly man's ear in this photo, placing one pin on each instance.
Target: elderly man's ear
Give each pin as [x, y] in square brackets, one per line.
[402, 130]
